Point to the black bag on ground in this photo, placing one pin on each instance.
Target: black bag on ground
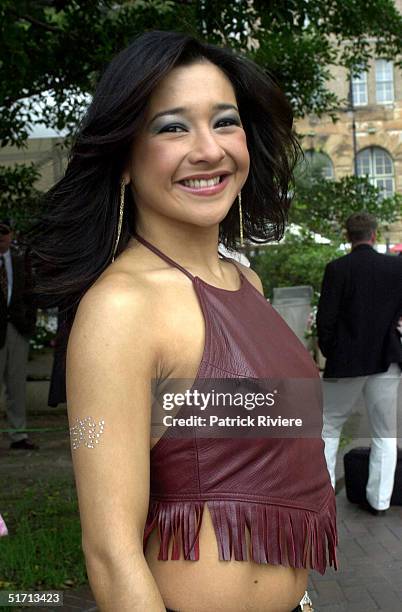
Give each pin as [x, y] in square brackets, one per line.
[356, 463]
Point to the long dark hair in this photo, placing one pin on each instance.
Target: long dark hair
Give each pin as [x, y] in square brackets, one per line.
[73, 242]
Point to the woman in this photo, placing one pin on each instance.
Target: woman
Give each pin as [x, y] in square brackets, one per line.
[184, 144]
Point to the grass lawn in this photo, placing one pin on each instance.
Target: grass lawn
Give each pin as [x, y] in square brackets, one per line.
[43, 548]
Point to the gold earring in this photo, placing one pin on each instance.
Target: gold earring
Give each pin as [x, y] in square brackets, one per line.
[240, 220]
[121, 212]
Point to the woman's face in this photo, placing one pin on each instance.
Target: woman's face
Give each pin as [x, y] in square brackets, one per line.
[191, 160]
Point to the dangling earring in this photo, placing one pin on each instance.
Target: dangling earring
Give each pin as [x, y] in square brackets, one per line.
[240, 220]
[121, 212]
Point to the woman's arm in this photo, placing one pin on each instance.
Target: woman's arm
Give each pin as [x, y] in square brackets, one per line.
[110, 364]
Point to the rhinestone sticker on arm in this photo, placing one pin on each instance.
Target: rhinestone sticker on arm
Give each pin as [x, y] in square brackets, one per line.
[84, 432]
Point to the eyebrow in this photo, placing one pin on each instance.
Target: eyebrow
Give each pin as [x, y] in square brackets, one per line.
[183, 109]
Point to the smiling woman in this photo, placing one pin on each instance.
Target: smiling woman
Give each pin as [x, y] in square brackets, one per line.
[197, 149]
[185, 145]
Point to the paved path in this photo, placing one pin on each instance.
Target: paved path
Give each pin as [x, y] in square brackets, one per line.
[370, 559]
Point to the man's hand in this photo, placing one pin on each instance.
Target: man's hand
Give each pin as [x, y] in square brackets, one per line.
[399, 326]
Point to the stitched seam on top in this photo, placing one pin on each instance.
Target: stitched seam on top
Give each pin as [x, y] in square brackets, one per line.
[205, 498]
[229, 372]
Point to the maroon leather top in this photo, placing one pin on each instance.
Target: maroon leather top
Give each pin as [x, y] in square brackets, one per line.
[276, 488]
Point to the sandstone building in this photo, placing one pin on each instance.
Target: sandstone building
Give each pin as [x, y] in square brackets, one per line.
[367, 138]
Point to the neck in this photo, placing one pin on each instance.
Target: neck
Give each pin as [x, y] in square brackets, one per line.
[369, 242]
[195, 248]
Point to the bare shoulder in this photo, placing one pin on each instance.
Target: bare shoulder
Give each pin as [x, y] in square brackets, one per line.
[114, 294]
[113, 328]
[117, 303]
[250, 274]
[112, 332]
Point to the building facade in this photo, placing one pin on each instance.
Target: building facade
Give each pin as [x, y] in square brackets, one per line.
[367, 138]
[47, 153]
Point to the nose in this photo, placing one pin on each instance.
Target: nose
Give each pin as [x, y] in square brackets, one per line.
[206, 148]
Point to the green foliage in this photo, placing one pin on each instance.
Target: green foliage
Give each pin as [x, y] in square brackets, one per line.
[19, 199]
[322, 206]
[54, 50]
[297, 261]
[298, 41]
[60, 47]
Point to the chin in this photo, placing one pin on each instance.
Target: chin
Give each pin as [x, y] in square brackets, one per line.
[209, 218]
[206, 223]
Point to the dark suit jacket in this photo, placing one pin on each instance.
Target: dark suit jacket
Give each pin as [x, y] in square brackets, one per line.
[21, 311]
[360, 303]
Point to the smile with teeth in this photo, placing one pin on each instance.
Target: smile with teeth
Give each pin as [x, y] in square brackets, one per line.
[202, 183]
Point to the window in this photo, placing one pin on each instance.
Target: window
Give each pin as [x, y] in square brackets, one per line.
[377, 165]
[384, 81]
[359, 89]
[318, 161]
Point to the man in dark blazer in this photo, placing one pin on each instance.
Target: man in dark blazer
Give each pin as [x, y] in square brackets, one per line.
[17, 325]
[358, 316]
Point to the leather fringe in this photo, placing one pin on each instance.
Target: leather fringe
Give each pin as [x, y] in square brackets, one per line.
[278, 535]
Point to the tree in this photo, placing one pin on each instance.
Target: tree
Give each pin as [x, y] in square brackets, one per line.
[53, 50]
[321, 206]
[297, 261]
[299, 40]
[19, 197]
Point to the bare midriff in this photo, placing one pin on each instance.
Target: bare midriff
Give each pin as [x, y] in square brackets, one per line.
[210, 585]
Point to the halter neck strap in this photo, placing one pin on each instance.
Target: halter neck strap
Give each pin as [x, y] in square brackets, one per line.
[168, 259]
[163, 256]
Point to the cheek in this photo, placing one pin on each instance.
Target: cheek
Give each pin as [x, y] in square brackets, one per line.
[155, 162]
[240, 152]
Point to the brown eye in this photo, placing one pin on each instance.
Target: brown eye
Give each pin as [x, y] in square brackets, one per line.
[229, 122]
[172, 128]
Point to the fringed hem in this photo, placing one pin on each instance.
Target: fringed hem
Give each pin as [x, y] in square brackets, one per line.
[179, 521]
[279, 535]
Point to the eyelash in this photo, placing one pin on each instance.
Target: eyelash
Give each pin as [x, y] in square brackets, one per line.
[171, 128]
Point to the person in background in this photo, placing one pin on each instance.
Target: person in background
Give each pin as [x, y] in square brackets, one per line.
[357, 323]
[17, 324]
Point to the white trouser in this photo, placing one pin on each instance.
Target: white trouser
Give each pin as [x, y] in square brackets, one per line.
[380, 393]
